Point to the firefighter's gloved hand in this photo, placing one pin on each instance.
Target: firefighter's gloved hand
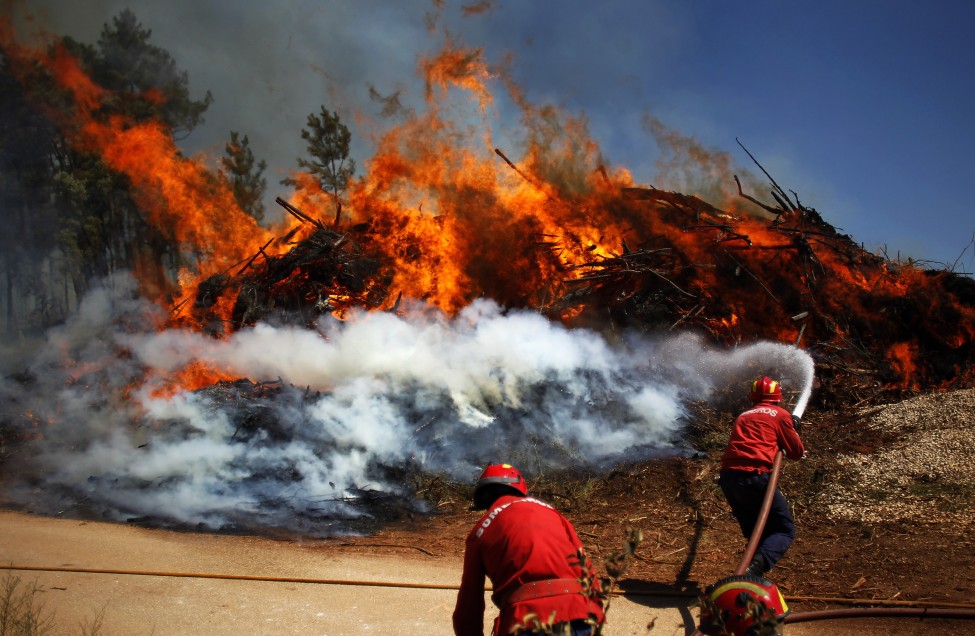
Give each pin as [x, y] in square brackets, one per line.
[797, 423]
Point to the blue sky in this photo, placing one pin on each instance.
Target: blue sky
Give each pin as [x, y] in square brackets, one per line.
[862, 107]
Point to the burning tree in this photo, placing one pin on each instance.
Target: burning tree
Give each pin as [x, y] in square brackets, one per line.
[330, 167]
[73, 216]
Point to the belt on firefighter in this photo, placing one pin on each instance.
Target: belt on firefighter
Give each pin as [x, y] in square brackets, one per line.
[746, 471]
[541, 589]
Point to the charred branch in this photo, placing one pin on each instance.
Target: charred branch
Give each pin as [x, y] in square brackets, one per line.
[767, 208]
[777, 191]
[298, 214]
[511, 165]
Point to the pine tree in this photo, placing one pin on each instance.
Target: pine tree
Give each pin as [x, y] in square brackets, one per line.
[328, 144]
[245, 175]
[27, 143]
[125, 62]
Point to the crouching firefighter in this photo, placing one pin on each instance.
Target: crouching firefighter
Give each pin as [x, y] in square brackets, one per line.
[543, 581]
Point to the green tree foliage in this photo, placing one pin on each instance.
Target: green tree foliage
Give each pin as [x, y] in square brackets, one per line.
[72, 219]
[245, 175]
[328, 144]
[101, 230]
[144, 78]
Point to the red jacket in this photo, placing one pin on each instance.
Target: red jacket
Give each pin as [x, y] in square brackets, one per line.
[518, 541]
[757, 436]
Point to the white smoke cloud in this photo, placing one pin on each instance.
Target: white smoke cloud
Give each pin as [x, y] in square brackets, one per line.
[332, 418]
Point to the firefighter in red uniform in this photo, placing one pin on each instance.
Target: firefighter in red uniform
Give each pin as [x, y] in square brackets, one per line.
[541, 578]
[746, 465]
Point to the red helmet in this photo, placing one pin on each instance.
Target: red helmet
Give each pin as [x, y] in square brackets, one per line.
[743, 606]
[765, 389]
[501, 475]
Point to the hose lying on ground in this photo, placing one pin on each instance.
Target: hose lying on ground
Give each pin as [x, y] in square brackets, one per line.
[881, 603]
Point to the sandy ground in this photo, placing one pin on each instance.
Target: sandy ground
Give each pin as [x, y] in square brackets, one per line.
[307, 587]
[163, 605]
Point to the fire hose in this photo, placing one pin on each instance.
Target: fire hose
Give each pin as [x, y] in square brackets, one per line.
[895, 607]
[928, 611]
[773, 482]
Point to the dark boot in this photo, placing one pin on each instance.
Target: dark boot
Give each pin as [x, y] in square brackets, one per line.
[758, 566]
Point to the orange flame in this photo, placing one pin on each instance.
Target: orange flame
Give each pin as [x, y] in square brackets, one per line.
[181, 197]
[455, 219]
[193, 376]
[902, 356]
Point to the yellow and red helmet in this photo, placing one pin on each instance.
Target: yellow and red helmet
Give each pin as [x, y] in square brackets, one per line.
[765, 389]
[743, 606]
[501, 475]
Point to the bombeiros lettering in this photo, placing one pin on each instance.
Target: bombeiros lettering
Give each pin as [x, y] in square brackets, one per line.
[494, 513]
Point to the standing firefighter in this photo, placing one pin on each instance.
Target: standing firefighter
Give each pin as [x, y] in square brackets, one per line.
[746, 465]
[542, 579]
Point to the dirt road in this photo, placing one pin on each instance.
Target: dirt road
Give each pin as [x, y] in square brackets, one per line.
[165, 583]
[164, 605]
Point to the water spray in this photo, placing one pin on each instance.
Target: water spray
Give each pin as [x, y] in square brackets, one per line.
[807, 385]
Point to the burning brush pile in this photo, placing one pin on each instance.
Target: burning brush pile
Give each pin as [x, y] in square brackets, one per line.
[876, 329]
